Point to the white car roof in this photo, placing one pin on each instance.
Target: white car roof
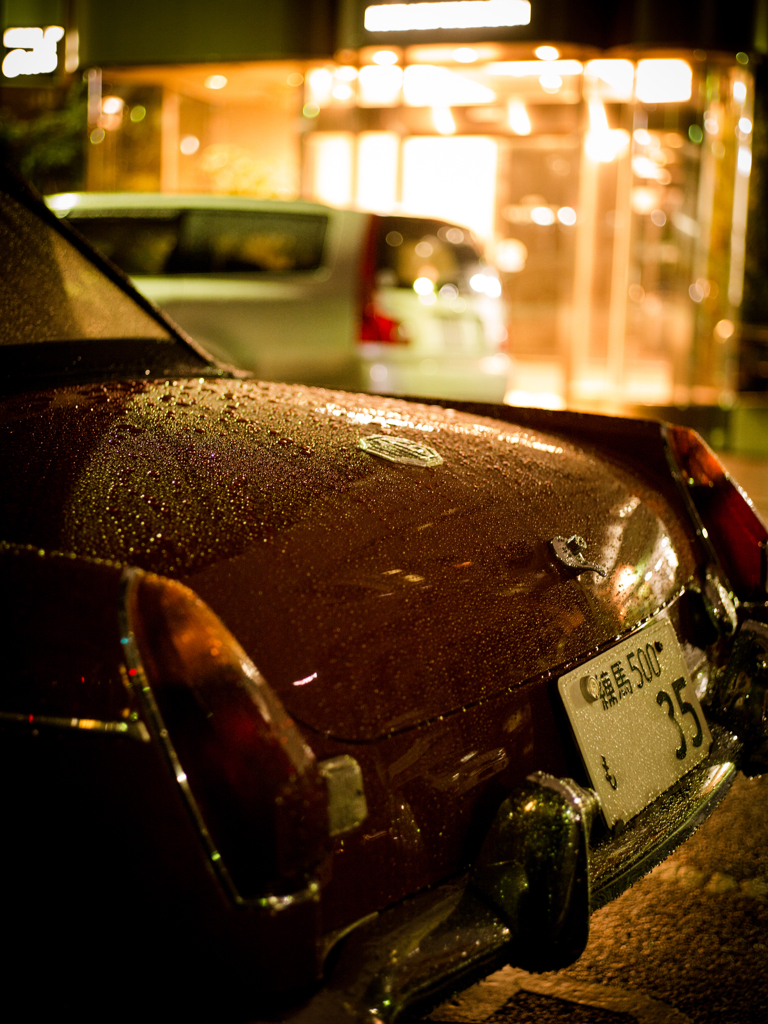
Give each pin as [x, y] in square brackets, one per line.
[64, 202]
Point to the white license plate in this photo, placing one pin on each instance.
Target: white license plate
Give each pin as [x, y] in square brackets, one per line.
[637, 721]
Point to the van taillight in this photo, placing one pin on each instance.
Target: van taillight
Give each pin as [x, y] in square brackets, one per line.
[374, 326]
[251, 781]
[733, 526]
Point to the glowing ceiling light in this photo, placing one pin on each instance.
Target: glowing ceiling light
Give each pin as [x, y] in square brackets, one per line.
[458, 14]
[384, 57]
[442, 119]
[667, 80]
[547, 52]
[517, 118]
[465, 55]
[215, 82]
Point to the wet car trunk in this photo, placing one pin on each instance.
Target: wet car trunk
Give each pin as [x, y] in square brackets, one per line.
[401, 612]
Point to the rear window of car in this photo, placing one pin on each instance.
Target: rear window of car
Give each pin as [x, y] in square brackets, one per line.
[157, 242]
[411, 247]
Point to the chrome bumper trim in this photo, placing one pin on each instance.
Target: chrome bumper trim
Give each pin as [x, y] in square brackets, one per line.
[433, 945]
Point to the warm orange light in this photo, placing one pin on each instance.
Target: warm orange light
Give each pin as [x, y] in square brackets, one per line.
[442, 119]
[428, 85]
[517, 118]
[379, 85]
[667, 80]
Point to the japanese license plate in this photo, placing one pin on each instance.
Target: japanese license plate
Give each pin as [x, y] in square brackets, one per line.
[637, 721]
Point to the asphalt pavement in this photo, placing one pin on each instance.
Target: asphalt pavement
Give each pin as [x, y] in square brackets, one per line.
[688, 944]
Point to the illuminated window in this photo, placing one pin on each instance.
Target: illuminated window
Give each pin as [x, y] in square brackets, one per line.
[330, 157]
[426, 85]
[451, 178]
[664, 81]
[377, 164]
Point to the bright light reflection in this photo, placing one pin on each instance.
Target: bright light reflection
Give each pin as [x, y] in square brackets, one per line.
[517, 118]
[542, 215]
[510, 255]
[667, 80]
[442, 119]
[423, 286]
[465, 55]
[447, 15]
[384, 57]
[567, 215]
[550, 82]
[379, 85]
[603, 144]
[614, 78]
[525, 68]
[547, 52]
[112, 105]
[63, 201]
[320, 85]
[745, 125]
[428, 85]
[377, 162]
[305, 680]
[215, 82]
[739, 91]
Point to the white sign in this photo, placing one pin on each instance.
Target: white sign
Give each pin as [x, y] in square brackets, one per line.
[33, 50]
[450, 15]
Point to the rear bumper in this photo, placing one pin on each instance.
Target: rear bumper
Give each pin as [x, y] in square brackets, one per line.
[438, 942]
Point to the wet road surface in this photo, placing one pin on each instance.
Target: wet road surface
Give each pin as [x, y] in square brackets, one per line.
[688, 943]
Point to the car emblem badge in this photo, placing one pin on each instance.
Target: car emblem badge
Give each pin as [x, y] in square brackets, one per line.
[400, 449]
[571, 553]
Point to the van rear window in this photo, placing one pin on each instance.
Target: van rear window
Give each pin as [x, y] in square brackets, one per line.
[157, 242]
[411, 247]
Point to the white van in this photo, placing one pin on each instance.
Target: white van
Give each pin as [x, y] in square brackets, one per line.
[300, 292]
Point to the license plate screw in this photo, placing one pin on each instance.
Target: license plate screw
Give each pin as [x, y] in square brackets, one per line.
[590, 687]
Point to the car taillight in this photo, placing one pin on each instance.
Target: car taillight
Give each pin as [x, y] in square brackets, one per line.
[733, 526]
[374, 325]
[250, 781]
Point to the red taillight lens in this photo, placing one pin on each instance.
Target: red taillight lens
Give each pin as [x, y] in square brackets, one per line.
[374, 326]
[254, 781]
[735, 529]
